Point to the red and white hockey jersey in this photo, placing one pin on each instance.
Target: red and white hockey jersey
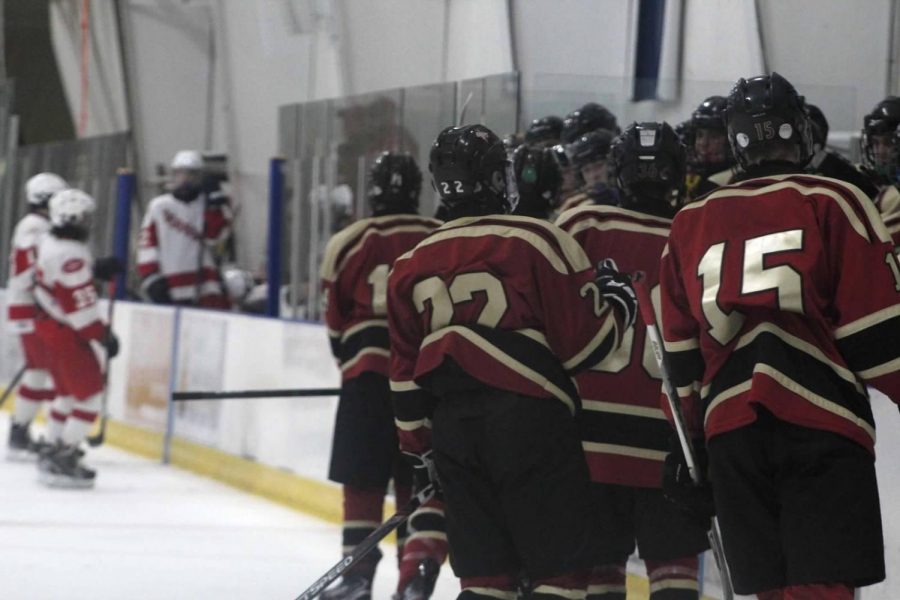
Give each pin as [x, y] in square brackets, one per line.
[27, 237]
[170, 246]
[64, 286]
[510, 301]
[354, 277]
[623, 430]
[782, 292]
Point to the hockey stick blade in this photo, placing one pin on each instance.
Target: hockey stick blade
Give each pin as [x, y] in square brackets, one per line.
[648, 314]
[367, 545]
[12, 384]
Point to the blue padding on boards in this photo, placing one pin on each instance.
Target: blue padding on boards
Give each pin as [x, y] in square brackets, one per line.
[651, 17]
[125, 186]
[276, 218]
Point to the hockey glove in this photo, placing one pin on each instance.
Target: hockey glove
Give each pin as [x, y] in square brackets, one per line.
[424, 471]
[107, 267]
[111, 343]
[680, 489]
[158, 292]
[615, 287]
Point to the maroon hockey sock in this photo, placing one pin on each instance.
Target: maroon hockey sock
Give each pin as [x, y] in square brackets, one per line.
[559, 587]
[427, 539]
[673, 579]
[607, 582]
[363, 509]
[826, 591]
[489, 587]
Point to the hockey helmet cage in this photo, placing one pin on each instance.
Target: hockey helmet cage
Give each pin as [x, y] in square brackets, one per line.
[589, 117]
[763, 113]
[395, 183]
[647, 163]
[538, 179]
[469, 168]
[41, 187]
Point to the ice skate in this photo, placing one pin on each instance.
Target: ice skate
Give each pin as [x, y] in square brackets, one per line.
[422, 585]
[20, 447]
[62, 468]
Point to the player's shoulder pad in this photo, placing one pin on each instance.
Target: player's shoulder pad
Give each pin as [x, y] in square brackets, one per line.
[604, 217]
[558, 247]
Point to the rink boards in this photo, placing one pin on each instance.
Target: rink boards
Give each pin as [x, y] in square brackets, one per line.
[279, 448]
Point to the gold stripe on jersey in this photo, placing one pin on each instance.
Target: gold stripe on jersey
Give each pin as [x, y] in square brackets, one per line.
[686, 391]
[806, 190]
[617, 225]
[502, 358]
[535, 335]
[619, 450]
[802, 345]
[404, 386]
[412, 425]
[867, 321]
[816, 399]
[616, 210]
[623, 409]
[681, 345]
[362, 354]
[333, 333]
[724, 395]
[882, 369]
[553, 590]
[570, 249]
[675, 584]
[362, 325]
[608, 324]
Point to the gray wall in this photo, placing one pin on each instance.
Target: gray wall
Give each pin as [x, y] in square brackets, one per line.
[213, 72]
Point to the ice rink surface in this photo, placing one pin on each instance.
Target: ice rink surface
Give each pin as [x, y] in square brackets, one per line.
[153, 532]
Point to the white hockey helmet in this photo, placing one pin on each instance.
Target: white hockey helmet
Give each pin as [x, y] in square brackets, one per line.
[71, 207]
[238, 283]
[188, 160]
[41, 187]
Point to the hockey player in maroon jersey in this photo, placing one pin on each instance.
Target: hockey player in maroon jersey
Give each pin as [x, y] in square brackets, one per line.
[179, 236]
[589, 155]
[779, 299]
[37, 387]
[881, 160]
[68, 322]
[624, 432]
[710, 162]
[537, 181]
[489, 316]
[354, 272]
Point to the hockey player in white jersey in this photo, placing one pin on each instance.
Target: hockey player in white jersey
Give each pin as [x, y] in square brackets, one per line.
[37, 387]
[69, 324]
[179, 236]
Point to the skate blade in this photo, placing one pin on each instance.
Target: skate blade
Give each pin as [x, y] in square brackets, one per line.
[62, 482]
[16, 455]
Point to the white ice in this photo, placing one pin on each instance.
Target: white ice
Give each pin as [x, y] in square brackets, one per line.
[153, 532]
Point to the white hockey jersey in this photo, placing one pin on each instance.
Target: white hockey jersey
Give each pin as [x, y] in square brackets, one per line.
[64, 286]
[170, 246]
[26, 237]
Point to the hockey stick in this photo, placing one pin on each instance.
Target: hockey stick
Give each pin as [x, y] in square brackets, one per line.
[649, 316]
[97, 440]
[368, 544]
[251, 394]
[462, 112]
[12, 384]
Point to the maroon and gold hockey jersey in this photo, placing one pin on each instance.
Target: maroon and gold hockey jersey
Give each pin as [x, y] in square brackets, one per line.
[354, 275]
[623, 430]
[782, 292]
[888, 203]
[510, 301]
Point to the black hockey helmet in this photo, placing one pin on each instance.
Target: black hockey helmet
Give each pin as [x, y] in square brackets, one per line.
[881, 121]
[469, 167]
[545, 131]
[589, 117]
[538, 179]
[818, 123]
[395, 183]
[764, 114]
[647, 163]
[710, 114]
[591, 147]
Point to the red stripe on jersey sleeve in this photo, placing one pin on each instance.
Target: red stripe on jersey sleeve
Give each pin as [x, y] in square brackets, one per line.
[23, 260]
